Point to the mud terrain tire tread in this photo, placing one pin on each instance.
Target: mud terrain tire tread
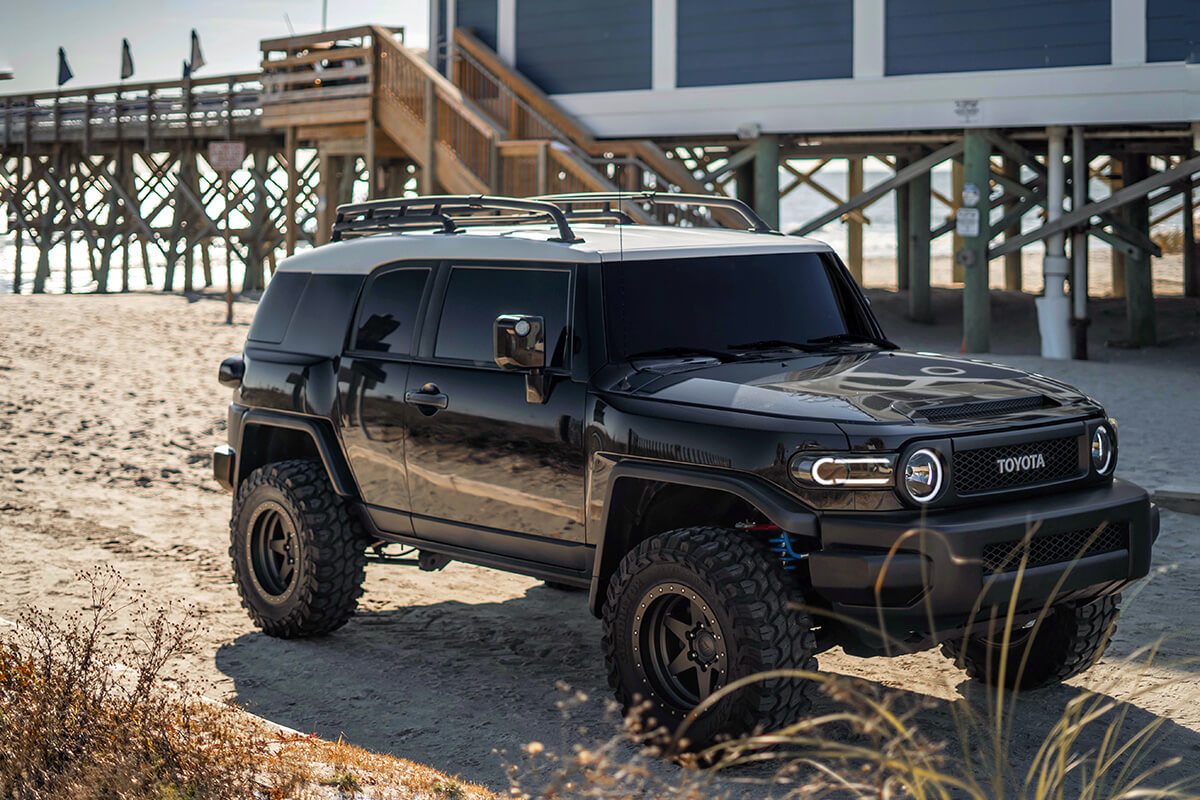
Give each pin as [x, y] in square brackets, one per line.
[1070, 641]
[754, 591]
[332, 544]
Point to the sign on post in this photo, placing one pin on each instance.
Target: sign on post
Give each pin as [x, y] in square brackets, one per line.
[225, 157]
[966, 222]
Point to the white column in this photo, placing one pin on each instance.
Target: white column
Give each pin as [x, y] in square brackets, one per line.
[1054, 307]
[506, 31]
[663, 44]
[434, 24]
[868, 38]
[451, 25]
[1128, 32]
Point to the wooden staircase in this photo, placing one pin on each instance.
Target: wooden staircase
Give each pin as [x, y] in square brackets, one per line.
[489, 131]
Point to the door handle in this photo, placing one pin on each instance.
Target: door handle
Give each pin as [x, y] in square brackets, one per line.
[428, 395]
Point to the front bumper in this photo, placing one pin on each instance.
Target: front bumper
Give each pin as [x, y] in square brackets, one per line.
[921, 576]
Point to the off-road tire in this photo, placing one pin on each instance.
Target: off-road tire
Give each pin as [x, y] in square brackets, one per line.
[1070, 640]
[330, 565]
[747, 590]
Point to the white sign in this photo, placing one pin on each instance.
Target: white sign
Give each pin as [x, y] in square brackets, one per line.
[966, 222]
[226, 156]
[966, 110]
[970, 195]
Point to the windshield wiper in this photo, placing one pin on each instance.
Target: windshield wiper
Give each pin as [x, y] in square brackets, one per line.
[854, 338]
[772, 344]
[720, 355]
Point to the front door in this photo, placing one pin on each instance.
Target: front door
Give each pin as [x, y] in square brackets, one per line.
[486, 468]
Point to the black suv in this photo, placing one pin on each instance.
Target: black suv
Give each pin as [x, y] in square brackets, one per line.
[705, 428]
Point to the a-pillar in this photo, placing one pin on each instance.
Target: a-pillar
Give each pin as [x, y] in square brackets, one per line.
[1139, 285]
[977, 170]
[766, 179]
[1054, 307]
[920, 198]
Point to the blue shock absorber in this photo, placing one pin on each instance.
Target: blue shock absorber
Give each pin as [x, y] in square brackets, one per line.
[781, 544]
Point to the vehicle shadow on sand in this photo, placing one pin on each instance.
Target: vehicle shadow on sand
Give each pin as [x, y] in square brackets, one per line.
[453, 685]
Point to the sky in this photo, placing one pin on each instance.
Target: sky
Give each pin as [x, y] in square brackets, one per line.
[158, 34]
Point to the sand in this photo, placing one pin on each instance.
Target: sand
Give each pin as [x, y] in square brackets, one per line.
[109, 408]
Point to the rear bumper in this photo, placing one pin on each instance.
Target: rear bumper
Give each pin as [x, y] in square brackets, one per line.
[224, 459]
[925, 575]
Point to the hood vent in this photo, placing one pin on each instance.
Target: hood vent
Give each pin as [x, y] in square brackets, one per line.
[983, 408]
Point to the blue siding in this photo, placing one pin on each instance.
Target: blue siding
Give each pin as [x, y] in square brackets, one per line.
[1173, 30]
[925, 36]
[480, 17]
[754, 41]
[583, 46]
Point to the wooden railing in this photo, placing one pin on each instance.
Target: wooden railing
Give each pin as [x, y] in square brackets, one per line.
[217, 105]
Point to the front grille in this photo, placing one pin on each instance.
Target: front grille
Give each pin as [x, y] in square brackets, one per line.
[1057, 548]
[987, 408]
[981, 470]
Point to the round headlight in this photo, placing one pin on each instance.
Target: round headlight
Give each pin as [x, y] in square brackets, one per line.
[923, 475]
[1102, 449]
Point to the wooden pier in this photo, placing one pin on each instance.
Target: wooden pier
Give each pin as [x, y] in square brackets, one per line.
[355, 114]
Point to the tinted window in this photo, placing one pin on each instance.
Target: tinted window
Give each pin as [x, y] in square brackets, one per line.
[389, 311]
[475, 296]
[276, 307]
[719, 303]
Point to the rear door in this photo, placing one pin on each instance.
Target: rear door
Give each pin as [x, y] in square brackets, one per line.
[487, 469]
[372, 380]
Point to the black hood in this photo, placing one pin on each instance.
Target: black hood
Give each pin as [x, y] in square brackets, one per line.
[876, 386]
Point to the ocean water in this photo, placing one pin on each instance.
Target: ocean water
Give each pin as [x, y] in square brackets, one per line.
[879, 236]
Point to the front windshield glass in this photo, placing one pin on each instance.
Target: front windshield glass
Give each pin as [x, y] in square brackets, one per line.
[725, 304]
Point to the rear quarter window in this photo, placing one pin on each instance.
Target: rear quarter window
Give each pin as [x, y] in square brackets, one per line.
[277, 306]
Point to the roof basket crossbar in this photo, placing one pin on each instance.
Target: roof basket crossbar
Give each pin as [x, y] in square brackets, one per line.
[568, 201]
[444, 212]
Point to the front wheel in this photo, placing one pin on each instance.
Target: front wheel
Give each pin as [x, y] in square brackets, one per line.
[299, 558]
[691, 611]
[1071, 638]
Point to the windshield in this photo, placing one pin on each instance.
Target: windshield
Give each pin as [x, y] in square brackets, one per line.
[726, 304]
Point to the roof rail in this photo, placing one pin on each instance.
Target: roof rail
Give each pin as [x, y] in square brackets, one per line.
[440, 211]
[757, 224]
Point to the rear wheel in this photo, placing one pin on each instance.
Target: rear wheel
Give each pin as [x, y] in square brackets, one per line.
[1071, 638]
[691, 611]
[298, 556]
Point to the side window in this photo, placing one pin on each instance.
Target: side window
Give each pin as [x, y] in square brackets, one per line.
[387, 319]
[475, 296]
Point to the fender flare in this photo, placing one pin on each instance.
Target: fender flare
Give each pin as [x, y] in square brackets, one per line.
[789, 514]
[318, 429]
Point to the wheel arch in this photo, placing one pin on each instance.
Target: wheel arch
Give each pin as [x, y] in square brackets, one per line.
[269, 436]
[645, 499]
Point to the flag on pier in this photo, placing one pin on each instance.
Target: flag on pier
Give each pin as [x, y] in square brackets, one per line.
[64, 69]
[126, 60]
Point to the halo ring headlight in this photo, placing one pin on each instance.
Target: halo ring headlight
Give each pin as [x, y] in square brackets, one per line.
[1102, 450]
[923, 475]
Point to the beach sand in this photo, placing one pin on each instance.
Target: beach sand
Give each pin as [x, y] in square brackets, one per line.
[109, 410]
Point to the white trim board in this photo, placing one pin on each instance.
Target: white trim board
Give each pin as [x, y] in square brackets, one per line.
[1145, 93]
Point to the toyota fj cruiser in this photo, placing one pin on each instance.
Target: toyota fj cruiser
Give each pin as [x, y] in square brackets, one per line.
[705, 428]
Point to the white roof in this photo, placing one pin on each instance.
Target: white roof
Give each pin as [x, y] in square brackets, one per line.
[532, 243]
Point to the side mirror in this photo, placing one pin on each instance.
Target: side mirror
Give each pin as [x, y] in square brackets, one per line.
[231, 372]
[520, 342]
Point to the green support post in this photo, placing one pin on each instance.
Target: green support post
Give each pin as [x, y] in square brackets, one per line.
[902, 203]
[977, 154]
[1139, 284]
[920, 305]
[766, 179]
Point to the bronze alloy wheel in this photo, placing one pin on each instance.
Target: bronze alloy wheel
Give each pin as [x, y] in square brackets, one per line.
[273, 549]
[680, 646]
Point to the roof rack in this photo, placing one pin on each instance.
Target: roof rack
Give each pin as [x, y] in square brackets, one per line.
[444, 212]
[756, 223]
[449, 213]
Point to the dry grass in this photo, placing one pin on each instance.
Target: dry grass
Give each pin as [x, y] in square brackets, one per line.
[85, 714]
